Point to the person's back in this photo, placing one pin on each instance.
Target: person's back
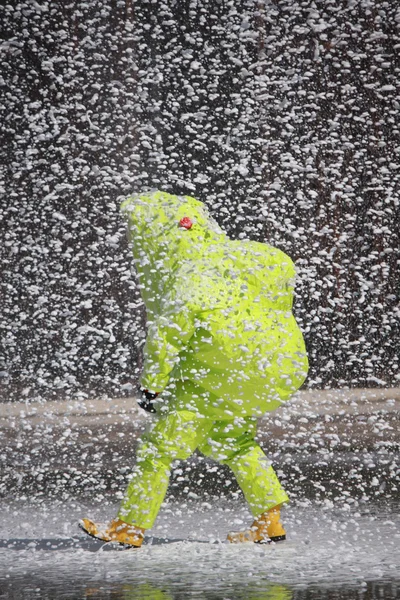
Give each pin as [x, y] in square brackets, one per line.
[249, 329]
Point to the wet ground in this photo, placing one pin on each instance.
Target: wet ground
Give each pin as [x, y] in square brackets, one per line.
[335, 553]
[339, 463]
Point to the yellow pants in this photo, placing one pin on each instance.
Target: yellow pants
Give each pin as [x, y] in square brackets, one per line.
[176, 435]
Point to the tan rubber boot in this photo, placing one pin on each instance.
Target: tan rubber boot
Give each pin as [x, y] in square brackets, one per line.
[265, 529]
[115, 531]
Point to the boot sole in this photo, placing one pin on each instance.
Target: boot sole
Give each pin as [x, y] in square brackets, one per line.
[272, 540]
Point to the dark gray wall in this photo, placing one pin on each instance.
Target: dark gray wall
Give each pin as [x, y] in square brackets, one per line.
[282, 116]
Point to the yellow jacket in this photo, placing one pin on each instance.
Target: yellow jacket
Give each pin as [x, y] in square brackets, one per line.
[219, 312]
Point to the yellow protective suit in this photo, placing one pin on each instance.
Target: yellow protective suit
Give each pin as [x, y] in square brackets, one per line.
[222, 348]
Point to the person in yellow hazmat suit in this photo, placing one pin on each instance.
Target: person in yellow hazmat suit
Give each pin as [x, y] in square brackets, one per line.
[222, 349]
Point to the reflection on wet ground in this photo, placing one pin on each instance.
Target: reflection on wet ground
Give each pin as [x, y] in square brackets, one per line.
[333, 553]
[143, 591]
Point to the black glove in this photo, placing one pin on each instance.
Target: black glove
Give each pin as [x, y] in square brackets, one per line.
[146, 401]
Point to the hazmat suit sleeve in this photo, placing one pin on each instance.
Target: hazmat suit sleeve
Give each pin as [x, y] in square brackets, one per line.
[168, 335]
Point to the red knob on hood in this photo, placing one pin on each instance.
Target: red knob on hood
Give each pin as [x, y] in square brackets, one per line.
[186, 222]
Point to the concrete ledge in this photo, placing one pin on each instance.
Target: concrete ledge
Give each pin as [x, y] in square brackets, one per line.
[105, 410]
[357, 401]
[315, 403]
